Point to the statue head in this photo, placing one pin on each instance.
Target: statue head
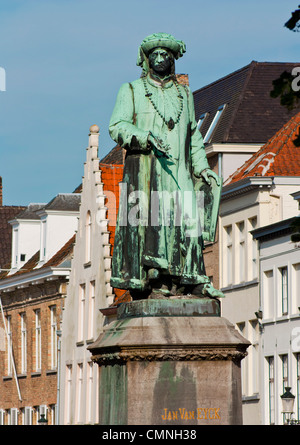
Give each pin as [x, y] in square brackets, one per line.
[159, 51]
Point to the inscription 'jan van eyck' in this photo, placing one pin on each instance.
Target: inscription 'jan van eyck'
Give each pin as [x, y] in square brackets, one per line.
[198, 414]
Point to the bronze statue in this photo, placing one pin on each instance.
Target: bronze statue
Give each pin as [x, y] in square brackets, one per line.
[158, 247]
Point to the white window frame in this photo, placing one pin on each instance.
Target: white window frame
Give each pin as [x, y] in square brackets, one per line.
[284, 291]
[271, 389]
[201, 120]
[38, 340]
[89, 392]
[269, 308]
[79, 393]
[253, 253]
[297, 356]
[9, 346]
[91, 321]
[53, 329]
[241, 229]
[2, 417]
[68, 394]
[13, 414]
[228, 255]
[81, 312]
[27, 415]
[214, 123]
[23, 343]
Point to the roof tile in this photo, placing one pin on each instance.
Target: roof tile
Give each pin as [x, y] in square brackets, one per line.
[278, 157]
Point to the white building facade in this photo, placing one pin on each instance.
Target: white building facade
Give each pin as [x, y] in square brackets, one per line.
[88, 291]
[280, 318]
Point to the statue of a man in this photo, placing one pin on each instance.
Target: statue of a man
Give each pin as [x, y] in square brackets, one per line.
[158, 247]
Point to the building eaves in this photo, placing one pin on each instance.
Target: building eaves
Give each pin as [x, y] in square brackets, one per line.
[245, 185]
[60, 260]
[275, 230]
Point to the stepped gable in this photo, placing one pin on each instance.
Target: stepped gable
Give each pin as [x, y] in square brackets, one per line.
[278, 157]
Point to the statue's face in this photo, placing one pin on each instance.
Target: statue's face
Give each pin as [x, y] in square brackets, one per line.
[160, 60]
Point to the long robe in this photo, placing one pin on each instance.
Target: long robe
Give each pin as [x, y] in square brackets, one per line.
[158, 223]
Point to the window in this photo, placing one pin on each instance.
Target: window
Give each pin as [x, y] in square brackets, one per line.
[89, 394]
[27, 415]
[79, 384]
[38, 340]
[295, 294]
[253, 356]
[242, 329]
[298, 385]
[88, 230]
[9, 346]
[284, 371]
[13, 416]
[23, 343]
[68, 404]
[91, 310]
[271, 390]
[214, 123]
[2, 417]
[242, 251]
[53, 346]
[81, 312]
[228, 256]
[253, 249]
[284, 289]
[284, 375]
[201, 120]
[53, 413]
[268, 294]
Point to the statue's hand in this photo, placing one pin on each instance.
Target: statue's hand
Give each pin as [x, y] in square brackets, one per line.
[207, 174]
[159, 144]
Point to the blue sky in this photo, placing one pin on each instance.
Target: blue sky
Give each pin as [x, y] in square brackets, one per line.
[66, 59]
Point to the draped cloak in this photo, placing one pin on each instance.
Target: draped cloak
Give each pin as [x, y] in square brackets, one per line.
[158, 223]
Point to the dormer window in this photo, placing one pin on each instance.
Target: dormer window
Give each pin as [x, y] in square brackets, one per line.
[201, 120]
[214, 123]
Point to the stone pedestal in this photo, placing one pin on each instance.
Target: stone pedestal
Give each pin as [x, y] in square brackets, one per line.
[170, 362]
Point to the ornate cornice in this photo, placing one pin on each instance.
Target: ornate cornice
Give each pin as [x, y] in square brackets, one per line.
[122, 356]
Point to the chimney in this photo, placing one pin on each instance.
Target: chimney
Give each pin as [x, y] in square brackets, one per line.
[183, 79]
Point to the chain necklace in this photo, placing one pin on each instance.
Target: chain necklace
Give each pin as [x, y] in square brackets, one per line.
[170, 123]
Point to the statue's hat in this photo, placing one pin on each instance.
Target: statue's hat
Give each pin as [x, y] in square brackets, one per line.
[160, 40]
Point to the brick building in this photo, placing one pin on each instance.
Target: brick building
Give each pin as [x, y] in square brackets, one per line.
[31, 300]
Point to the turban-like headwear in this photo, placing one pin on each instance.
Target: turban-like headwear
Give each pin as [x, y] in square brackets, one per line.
[160, 40]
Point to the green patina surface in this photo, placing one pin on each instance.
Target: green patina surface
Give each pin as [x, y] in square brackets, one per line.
[113, 400]
[177, 307]
[160, 221]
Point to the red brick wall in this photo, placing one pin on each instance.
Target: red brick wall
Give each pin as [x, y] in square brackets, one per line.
[36, 388]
